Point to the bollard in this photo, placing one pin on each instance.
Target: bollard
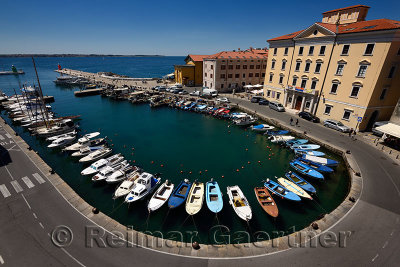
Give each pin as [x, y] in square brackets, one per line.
[315, 226]
[383, 147]
[29, 148]
[52, 171]
[195, 245]
[352, 199]
[397, 157]
[358, 174]
[390, 152]
[95, 210]
[348, 152]
[305, 132]
[16, 134]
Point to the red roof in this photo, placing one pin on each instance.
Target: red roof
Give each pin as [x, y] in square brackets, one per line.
[245, 54]
[344, 8]
[360, 26]
[197, 57]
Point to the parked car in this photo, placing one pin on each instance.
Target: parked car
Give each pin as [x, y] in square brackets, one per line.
[176, 91]
[276, 106]
[223, 100]
[195, 93]
[256, 99]
[377, 124]
[183, 92]
[264, 102]
[162, 88]
[337, 125]
[308, 116]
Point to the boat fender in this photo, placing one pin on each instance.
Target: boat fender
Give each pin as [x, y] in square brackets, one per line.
[222, 176]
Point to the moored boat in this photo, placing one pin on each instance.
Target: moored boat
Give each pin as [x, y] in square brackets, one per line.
[277, 132]
[321, 160]
[62, 141]
[280, 190]
[306, 170]
[143, 186]
[309, 152]
[98, 154]
[294, 188]
[126, 186]
[83, 151]
[296, 142]
[298, 180]
[180, 194]
[266, 201]
[305, 147]
[161, 196]
[106, 172]
[101, 163]
[262, 127]
[195, 199]
[214, 199]
[316, 166]
[281, 138]
[239, 202]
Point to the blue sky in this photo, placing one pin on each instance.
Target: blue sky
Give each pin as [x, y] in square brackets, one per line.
[159, 27]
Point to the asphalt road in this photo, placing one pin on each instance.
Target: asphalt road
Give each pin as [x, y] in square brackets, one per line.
[31, 207]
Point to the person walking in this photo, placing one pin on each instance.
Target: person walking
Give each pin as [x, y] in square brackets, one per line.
[291, 121]
[350, 132]
[297, 122]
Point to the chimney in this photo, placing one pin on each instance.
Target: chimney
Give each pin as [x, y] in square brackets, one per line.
[251, 48]
[239, 49]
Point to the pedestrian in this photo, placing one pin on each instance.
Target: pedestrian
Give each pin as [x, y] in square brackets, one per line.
[350, 132]
[291, 121]
[297, 122]
[354, 134]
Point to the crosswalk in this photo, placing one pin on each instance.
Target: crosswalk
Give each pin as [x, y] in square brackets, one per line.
[15, 185]
[3, 138]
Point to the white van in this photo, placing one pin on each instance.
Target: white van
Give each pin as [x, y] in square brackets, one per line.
[276, 106]
[210, 92]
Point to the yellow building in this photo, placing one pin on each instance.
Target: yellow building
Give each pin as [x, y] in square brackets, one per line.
[343, 68]
[190, 74]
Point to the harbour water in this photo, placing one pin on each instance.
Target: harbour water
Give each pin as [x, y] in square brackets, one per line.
[178, 144]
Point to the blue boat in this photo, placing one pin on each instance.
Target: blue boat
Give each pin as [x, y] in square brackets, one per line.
[321, 160]
[305, 169]
[214, 196]
[295, 178]
[180, 194]
[281, 191]
[316, 166]
[277, 132]
[309, 152]
[305, 147]
[296, 142]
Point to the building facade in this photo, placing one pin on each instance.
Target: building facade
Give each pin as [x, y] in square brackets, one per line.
[343, 68]
[231, 70]
[190, 74]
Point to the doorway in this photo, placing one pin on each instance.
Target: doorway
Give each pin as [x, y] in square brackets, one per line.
[299, 100]
[372, 120]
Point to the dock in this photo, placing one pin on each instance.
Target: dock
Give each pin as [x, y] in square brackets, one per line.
[87, 92]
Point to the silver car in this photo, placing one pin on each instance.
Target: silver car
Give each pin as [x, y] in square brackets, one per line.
[337, 125]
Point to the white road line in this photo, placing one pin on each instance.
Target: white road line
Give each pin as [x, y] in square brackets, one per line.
[374, 258]
[38, 178]
[41, 225]
[34, 215]
[1, 137]
[8, 135]
[386, 243]
[4, 191]
[26, 201]
[392, 233]
[17, 186]
[28, 182]
[1, 260]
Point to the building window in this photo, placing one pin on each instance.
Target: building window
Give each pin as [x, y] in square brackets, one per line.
[278, 95]
[258, 67]
[230, 75]
[271, 76]
[303, 83]
[264, 67]
[251, 67]
[311, 51]
[313, 85]
[391, 72]
[273, 64]
[294, 81]
[263, 74]
[298, 66]
[362, 70]
[250, 74]
[354, 91]
[286, 51]
[307, 68]
[268, 93]
[211, 75]
[328, 109]
[205, 74]
[237, 75]
[383, 94]
[283, 64]
[308, 104]
[205, 83]
[346, 114]
[222, 76]
[290, 99]
[223, 67]
[369, 49]
[339, 70]
[243, 83]
[222, 86]
[244, 75]
[245, 67]
[257, 74]
[275, 51]
[398, 52]
[345, 50]
[281, 79]
[322, 50]
[230, 67]
[318, 68]
[212, 67]
[334, 88]
[238, 67]
[301, 50]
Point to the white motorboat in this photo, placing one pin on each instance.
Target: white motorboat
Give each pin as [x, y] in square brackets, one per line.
[86, 150]
[281, 138]
[121, 174]
[238, 115]
[85, 140]
[60, 142]
[72, 133]
[244, 121]
[262, 127]
[161, 196]
[60, 128]
[126, 186]
[98, 154]
[239, 202]
[101, 163]
[106, 172]
[142, 187]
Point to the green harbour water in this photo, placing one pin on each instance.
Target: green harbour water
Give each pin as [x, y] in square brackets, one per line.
[178, 144]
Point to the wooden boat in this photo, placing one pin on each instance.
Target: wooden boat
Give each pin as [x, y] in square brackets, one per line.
[294, 188]
[305, 147]
[161, 196]
[195, 199]
[320, 160]
[280, 190]
[239, 203]
[180, 194]
[298, 180]
[306, 170]
[266, 201]
[309, 152]
[214, 196]
[316, 166]
[261, 127]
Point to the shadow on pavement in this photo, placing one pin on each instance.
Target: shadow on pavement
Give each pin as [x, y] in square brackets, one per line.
[5, 158]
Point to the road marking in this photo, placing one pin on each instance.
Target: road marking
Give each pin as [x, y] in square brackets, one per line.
[386, 243]
[16, 186]
[26, 201]
[374, 258]
[34, 215]
[38, 178]
[1, 260]
[28, 182]
[8, 135]
[4, 191]
[41, 225]
[1, 137]
[392, 233]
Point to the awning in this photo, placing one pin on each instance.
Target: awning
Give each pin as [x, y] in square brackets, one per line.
[248, 86]
[390, 129]
[257, 91]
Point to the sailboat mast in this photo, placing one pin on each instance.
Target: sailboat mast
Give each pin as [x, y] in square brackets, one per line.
[41, 95]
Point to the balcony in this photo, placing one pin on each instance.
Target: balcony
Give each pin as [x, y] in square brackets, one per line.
[302, 90]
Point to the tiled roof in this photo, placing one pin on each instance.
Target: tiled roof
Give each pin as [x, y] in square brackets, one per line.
[246, 54]
[344, 8]
[361, 26]
[197, 57]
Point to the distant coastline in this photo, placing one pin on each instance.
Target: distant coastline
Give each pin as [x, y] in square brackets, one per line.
[74, 55]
